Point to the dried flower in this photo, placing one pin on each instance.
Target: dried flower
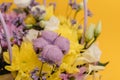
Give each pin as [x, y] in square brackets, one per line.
[39, 11]
[5, 6]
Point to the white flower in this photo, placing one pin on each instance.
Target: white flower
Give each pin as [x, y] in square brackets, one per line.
[39, 12]
[32, 34]
[22, 3]
[92, 54]
[52, 24]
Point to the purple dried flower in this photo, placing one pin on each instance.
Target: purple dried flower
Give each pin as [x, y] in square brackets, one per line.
[52, 54]
[50, 36]
[54, 5]
[5, 6]
[80, 27]
[64, 76]
[35, 74]
[90, 14]
[39, 43]
[63, 44]
[15, 28]
[73, 21]
[80, 75]
[33, 3]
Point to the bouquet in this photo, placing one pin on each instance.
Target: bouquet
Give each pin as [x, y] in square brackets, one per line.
[37, 44]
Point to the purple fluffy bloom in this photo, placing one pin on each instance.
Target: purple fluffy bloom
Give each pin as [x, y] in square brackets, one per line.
[52, 54]
[63, 44]
[49, 35]
[39, 43]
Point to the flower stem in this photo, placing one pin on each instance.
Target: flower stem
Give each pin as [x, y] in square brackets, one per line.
[7, 36]
[85, 21]
[44, 2]
[41, 70]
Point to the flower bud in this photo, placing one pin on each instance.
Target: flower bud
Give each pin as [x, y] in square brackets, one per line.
[81, 6]
[22, 3]
[90, 33]
[98, 29]
[42, 24]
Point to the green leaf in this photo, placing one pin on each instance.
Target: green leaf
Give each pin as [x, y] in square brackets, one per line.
[103, 64]
[72, 78]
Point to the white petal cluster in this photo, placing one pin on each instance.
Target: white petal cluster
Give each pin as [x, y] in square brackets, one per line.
[52, 24]
[22, 3]
[92, 54]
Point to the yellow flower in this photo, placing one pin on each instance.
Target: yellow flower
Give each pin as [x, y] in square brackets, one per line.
[49, 12]
[29, 20]
[24, 61]
[70, 32]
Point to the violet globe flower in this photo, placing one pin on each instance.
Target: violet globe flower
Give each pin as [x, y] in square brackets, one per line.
[52, 54]
[39, 43]
[49, 35]
[63, 44]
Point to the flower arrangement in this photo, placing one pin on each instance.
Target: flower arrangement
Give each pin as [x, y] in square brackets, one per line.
[36, 44]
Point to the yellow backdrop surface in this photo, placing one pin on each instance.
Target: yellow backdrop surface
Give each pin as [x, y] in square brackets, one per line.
[109, 12]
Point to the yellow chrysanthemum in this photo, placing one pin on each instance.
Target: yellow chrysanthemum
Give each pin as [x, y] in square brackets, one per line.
[24, 61]
[71, 33]
[49, 12]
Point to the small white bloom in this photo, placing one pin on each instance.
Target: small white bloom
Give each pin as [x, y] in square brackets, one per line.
[22, 3]
[39, 12]
[32, 34]
[92, 54]
[52, 24]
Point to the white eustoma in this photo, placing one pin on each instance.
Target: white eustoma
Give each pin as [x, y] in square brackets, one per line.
[52, 24]
[94, 68]
[22, 3]
[32, 34]
[92, 54]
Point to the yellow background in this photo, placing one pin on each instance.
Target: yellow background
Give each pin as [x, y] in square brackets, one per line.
[109, 12]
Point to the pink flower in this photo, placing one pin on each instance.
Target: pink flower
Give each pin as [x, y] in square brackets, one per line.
[52, 54]
[80, 75]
